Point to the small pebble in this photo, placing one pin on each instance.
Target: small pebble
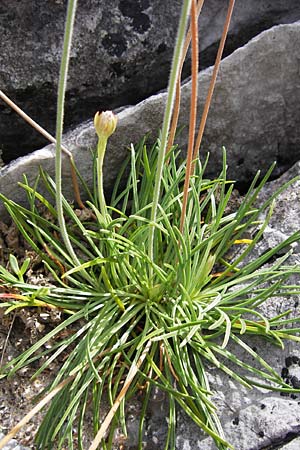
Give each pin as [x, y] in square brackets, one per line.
[13, 445]
[288, 361]
[295, 382]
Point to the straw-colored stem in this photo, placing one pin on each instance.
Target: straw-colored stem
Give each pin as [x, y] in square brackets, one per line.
[50, 138]
[7, 338]
[193, 111]
[43, 402]
[178, 84]
[33, 412]
[130, 377]
[213, 80]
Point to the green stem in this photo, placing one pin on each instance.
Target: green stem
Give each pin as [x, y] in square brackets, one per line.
[166, 122]
[59, 123]
[100, 158]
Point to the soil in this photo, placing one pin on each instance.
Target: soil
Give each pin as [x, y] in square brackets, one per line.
[18, 331]
[21, 328]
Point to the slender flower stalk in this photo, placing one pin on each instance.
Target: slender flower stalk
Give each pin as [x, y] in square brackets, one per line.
[193, 110]
[178, 84]
[167, 120]
[59, 124]
[213, 79]
[126, 330]
[105, 124]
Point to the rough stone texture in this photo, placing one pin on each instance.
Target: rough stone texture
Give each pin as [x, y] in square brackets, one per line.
[255, 419]
[13, 445]
[121, 54]
[294, 445]
[252, 419]
[255, 114]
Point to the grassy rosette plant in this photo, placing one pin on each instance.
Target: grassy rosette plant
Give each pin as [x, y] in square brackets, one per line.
[148, 286]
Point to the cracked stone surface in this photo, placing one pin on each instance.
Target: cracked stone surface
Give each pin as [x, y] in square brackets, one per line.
[255, 114]
[121, 54]
[252, 419]
[256, 419]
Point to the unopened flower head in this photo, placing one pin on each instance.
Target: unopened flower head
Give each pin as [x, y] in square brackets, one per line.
[105, 123]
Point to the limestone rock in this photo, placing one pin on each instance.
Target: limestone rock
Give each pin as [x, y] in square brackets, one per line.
[255, 114]
[252, 419]
[293, 445]
[257, 418]
[121, 54]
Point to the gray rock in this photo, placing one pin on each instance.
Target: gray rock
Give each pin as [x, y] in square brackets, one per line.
[293, 445]
[121, 54]
[251, 419]
[255, 113]
[13, 444]
[257, 418]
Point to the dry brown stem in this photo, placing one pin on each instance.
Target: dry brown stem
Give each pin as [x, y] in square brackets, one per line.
[193, 110]
[50, 138]
[213, 79]
[131, 374]
[178, 87]
[33, 412]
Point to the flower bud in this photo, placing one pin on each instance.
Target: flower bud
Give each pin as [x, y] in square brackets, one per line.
[105, 123]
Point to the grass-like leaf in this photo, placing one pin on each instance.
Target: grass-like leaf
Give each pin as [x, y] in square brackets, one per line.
[199, 298]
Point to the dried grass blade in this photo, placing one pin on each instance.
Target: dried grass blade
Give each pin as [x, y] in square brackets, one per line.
[33, 412]
[213, 79]
[193, 110]
[178, 86]
[50, 138]
[131, 374]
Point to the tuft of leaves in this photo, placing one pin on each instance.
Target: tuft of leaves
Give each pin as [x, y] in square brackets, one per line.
[151, 288]
[148, 322]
